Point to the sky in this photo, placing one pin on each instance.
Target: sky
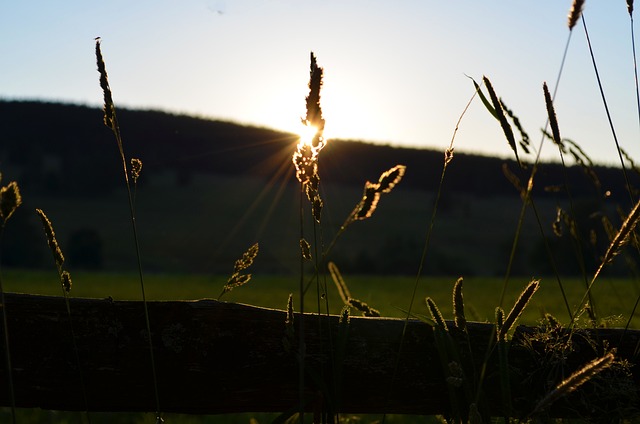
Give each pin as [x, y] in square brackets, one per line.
[394, 72]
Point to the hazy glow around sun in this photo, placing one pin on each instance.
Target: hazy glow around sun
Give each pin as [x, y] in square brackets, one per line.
[306, 134]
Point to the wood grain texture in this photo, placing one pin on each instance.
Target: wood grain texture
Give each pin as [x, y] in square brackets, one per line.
[215, 357]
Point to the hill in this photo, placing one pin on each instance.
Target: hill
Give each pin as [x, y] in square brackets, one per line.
[54, 147]
[209, 189]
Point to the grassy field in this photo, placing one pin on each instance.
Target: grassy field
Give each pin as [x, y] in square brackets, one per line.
[614, 298]
[213, 220]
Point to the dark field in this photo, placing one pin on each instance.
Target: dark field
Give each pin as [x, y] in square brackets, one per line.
[204, 226]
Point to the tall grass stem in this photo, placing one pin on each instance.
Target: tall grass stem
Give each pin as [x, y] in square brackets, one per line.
[7, 345]
[111, 121]
[606, 108]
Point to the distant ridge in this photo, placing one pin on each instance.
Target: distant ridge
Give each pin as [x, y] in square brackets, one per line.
[52, 147]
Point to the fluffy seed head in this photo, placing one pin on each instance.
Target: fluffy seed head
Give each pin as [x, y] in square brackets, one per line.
[363, 307]
[247, 258]
[51, 238]
[65, 279]
[506, 127]
[575, 380]
[336, 276]
[238, 279]
[305, 249]
[316, 207]
[109, 108]
[551, 112]
[458, 306]
[314, 111]
[10, 200]
[390, 178]
[574, 13]
[499, 322]
[369, 201]
[436, 314]
[136, 169]
[448, 156]
[288, 339]
[518, 307]
[344, 315]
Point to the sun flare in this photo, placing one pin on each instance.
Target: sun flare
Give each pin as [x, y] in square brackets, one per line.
[306, 133]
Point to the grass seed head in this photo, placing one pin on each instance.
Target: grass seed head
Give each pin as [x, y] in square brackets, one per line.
[369, 201]
[557, 224]
[575, 13]
[288, 340]
[551, 320]
[390, 178]
[247, 258]
[622, 237]
[448, 156]
[51, 238]
[65, 279]
[238, 279]
[10, 200]
[551, 113]
[518, 307]
[630, 7]
[458, 306]
[345, 317]
[506, 127]
[436, 314]
[336, 276]
[305, 162]
[305, 249]
[575, 380]
[314, 110]
[316, 207]
[136, 169]
[500, 323]
[363, 307]
[525, 143]
[109, 108]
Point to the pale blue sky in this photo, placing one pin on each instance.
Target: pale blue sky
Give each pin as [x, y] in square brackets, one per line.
[394, 70]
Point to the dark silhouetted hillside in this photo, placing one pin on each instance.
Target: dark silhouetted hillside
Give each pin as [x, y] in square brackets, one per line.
[53, 147]
[213, 188]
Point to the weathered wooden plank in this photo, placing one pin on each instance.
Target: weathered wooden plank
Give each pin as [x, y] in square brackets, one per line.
[214, 357]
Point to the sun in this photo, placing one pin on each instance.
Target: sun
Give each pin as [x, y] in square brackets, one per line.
[306, 133]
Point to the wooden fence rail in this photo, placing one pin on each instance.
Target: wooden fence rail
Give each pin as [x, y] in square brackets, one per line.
[215, 357]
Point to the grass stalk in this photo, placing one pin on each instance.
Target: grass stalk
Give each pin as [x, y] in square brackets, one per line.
[301, 335]
[527, 199]
[305, 160]
[621, 238]
[574, 381]
[111, 121]
[606, 108]
[10, 201]
[5, 330]
[448, 157]
[65, 286]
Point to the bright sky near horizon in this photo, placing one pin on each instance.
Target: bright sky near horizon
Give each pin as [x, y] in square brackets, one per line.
[394, 71]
